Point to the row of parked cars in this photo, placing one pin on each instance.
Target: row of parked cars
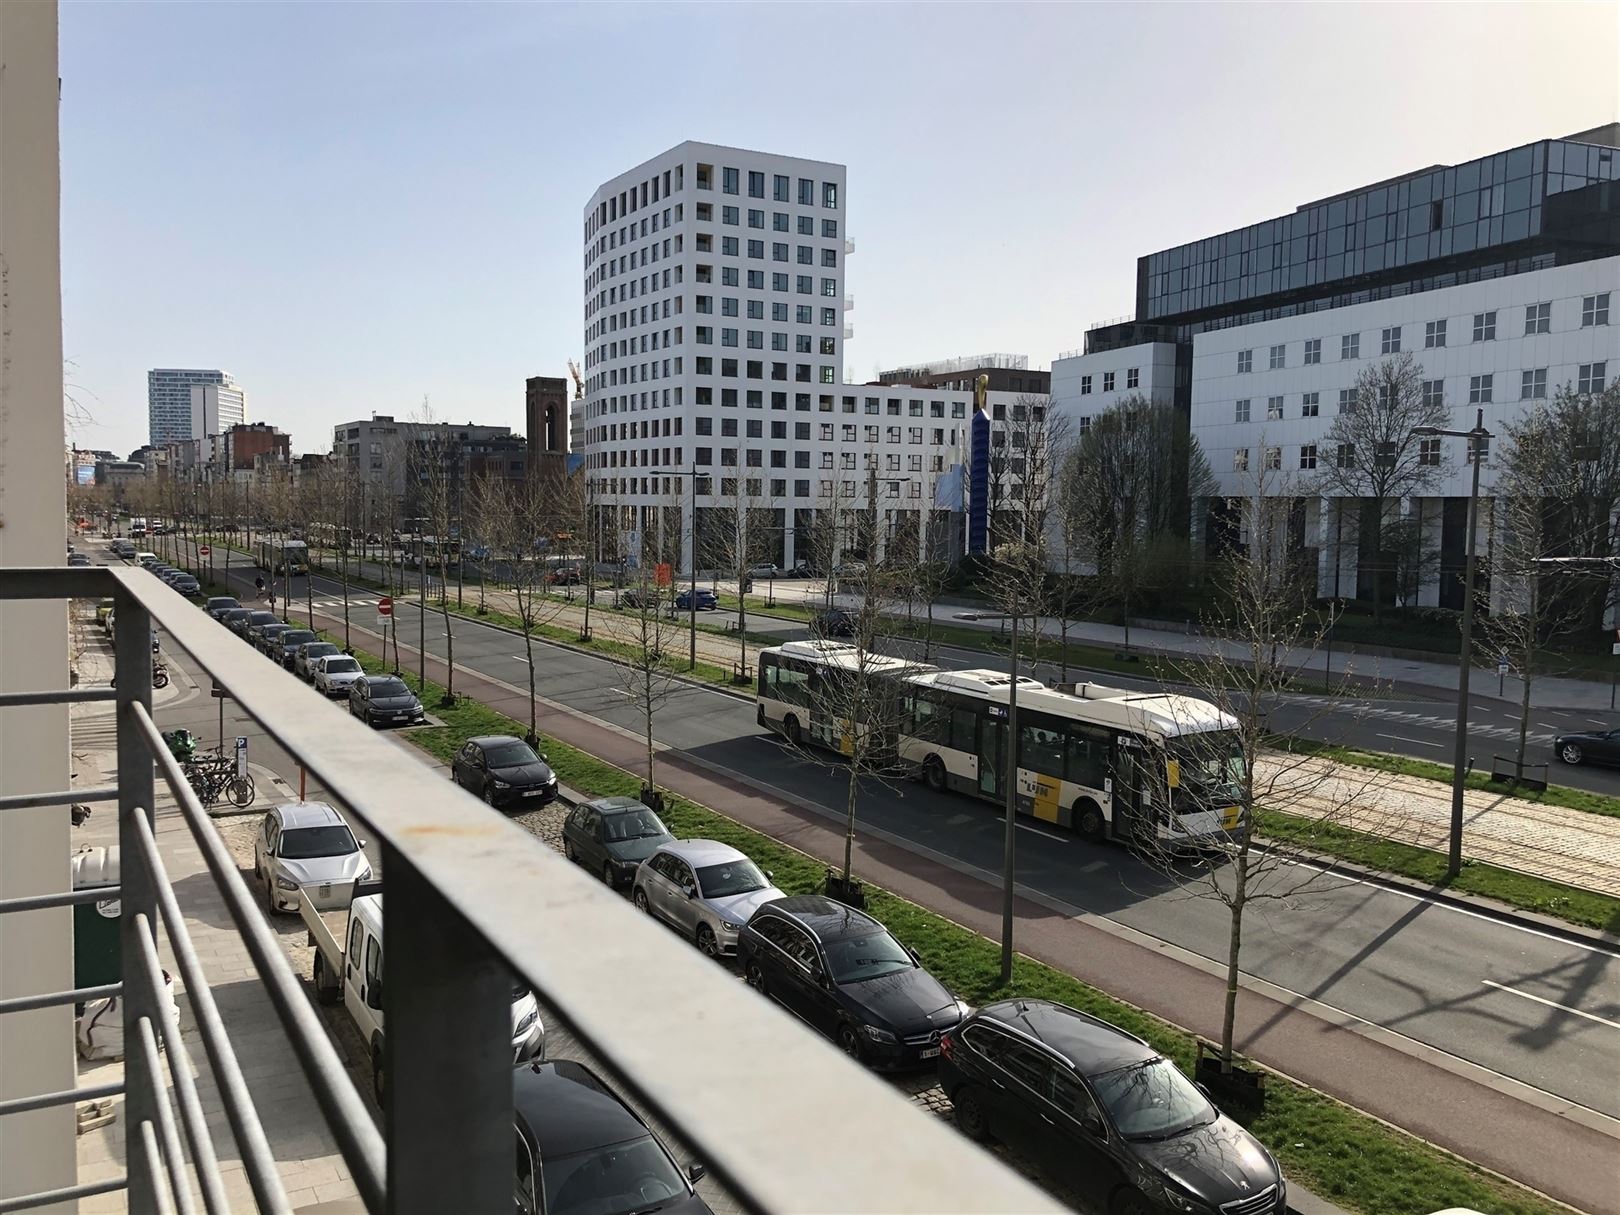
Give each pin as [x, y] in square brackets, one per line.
[181, 580]
[1098, 1108]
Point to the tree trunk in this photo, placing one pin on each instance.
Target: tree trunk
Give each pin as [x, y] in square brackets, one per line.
[647, 708]
[1234, 945]
[449, 635]
[528, 654]
[1524, 708]
[851, 794]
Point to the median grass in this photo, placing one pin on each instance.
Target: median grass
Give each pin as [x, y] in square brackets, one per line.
[1583, 908]
[1553, 795]
[1343, 1155]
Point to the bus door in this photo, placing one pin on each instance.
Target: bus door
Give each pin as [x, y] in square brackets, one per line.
[992, 740]
[1131, 801]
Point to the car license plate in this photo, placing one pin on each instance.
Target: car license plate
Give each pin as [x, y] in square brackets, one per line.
[928, 1052]
[326, 890]
[533, 792]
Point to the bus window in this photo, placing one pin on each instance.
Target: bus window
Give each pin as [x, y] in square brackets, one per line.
[1087, 759]
[925, 719]
[792, 686]
[964, 731]
[1040, 749]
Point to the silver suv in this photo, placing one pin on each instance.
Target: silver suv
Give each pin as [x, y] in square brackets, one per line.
[704, 889]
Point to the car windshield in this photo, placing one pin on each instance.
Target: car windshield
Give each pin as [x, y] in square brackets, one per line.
[870, 956]
[296, 637]
[340, 666]
[262, 617]
[305, 843]
[319, 649]
[636, 825]
[734, 877]
[1152, 1100]
[636, 1175]
[390, 687]
[510, 755]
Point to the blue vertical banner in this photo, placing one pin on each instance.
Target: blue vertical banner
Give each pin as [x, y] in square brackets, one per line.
[978, 503]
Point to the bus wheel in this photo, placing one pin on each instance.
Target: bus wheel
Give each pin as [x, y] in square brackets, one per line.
[934, 773]
[1088, 821]
[790, 727]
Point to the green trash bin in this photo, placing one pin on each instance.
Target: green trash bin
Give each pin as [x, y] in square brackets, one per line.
[96, 957]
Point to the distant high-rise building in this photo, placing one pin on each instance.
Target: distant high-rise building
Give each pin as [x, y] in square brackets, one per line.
[215, 408]
[169, 405]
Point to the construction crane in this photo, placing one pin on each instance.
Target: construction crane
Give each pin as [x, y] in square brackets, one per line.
[579, 383]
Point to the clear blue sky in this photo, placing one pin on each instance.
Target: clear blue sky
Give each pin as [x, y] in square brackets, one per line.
[351, 207]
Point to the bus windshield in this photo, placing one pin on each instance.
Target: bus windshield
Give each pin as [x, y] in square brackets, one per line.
[1208, 769]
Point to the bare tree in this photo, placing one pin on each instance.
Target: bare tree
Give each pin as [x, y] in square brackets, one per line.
[1135, 473]
[1371, 453]
[644, 635]
[741, 531]
[437, 470]
[1220, 769]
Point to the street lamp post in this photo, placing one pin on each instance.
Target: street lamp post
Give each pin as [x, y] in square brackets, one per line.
[1459, 761]
[692, 594]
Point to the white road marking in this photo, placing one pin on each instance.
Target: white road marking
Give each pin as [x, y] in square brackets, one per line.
[1553, 1004]
[1597, 721]
[1062, 839]
[1416, 741]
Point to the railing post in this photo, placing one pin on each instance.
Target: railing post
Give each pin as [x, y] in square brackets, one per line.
[133, 668]
[447, 1001]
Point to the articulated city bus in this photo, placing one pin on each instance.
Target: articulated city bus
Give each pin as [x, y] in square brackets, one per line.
[1105, 762]
[282, 556]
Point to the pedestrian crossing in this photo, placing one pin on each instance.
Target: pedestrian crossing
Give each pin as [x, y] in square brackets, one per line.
[1430, 721]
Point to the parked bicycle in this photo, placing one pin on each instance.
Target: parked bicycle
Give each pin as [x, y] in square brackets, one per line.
[213, 777]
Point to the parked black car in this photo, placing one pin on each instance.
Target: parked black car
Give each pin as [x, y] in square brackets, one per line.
[1104, 1112]
[286, 645]
[635, 597]
[841, 972]
[832, 622]
[612, 836]
[232, 617]
[242, 625]
[266, 638]
[707, 600]
[218, 605]
[1588, 747]
[580, 1148]
[504, 771]
[384, 700]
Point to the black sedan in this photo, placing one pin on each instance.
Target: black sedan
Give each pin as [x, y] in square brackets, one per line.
[243, 626]
[384, 700]
[612, 836]
[1588, 747]
[834, 622]
[504, 771]
[1104, 1112]
[598, 1156]
[841, 972]
[286, 646]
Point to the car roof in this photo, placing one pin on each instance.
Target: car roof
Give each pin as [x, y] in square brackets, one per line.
[307, 814]
[490, 740]
[702, 852]
[290, 631]
[568, 1108]
[374, 680]
[1090, 1043]
[615, 805]
[827, 918]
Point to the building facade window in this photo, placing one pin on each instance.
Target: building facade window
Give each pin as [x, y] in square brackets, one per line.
[1429, 452]
[1274, 409]
[1108, 381]
[1593, 377]
[1131, 379]
[1479, 389]
[1390, 342]
[1240, 459]
[1245, 361]
[1085, 385]
[1434, 334]
[1313, 351]
[1347, 400]
[1538, 319]
[1434, 393]
[1484, 326]
[1595, 310]
[1240, 411]
[1307, 456]
[1274, 459]
[1350, 346]
[1533, 384]
[1310, 405]
[1279, 355]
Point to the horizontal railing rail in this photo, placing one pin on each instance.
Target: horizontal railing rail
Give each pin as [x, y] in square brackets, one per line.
[477, 898]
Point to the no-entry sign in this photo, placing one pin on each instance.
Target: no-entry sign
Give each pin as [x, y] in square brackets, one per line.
[385, 610]
[205, 550]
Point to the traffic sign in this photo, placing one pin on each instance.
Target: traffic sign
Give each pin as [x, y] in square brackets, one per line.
[241, 756]
[205, 550]
[385, 606]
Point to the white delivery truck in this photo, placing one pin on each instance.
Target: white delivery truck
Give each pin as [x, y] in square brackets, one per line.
[353, 972]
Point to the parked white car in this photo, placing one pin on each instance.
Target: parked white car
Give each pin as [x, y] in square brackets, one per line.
[704, 889]
[307, 846]
[333, 674]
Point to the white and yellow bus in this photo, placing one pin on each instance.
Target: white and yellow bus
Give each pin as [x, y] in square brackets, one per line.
[282, 556]
[1106, 763]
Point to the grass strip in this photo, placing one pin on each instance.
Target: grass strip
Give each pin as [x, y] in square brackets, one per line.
[1340, 1153]
[1585, 908]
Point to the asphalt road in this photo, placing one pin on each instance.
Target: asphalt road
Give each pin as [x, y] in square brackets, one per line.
[1526, 1004]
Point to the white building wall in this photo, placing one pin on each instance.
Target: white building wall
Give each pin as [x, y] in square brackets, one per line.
[37, 1150]
[215, 408]
[168, 400]
[1085, 385]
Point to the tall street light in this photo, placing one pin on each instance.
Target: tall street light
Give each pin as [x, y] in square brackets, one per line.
[692, 594]
[1460, 757]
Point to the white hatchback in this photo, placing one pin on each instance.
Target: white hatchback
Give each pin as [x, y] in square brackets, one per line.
[333, 674]
[307, 846]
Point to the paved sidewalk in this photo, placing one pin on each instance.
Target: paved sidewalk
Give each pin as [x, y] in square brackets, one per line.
[311, 1168]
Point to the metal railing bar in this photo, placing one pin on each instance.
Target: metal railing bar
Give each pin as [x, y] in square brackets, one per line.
[66, 898]
[155, 1158]
[350, 1121]
[173, 1158]
[66, 582]
[58, 797]
[51, 999]
[56, 696]
[45, 1198]
[257, 1159]
[66, 1096]
[571, 939]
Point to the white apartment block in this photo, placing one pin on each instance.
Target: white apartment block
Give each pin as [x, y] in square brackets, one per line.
[1085, 385]
[215, 408]
[168, 401]
[715, 325]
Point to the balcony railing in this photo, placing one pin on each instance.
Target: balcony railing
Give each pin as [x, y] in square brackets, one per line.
[784, 1120]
